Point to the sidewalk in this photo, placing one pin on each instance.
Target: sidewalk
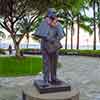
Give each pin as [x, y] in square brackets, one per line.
[81, 72]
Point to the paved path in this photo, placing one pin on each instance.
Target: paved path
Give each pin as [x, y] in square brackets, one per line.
[81, 72]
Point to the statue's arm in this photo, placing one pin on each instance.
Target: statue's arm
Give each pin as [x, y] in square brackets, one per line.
[42, 30]
[60, 31]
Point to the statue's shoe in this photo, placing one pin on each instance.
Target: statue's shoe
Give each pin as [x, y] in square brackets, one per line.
[55, 82]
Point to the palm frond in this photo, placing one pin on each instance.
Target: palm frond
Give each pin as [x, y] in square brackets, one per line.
[87, 28]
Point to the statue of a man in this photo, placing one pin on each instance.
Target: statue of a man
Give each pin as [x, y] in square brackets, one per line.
[50, 31]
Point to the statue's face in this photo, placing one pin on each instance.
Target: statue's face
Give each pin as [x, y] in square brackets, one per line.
[54, 22]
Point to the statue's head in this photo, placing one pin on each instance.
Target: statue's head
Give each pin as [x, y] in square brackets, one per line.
[52, 12]
[52, 15]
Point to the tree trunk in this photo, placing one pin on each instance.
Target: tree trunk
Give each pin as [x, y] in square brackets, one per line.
[17, 50]
[66, 37]
[94, 22]
[27, 39]
[78, 31]
[27, 43]
[72, 33]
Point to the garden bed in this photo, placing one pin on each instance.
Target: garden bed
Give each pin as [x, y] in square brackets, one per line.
[92, 53]
[12, 66]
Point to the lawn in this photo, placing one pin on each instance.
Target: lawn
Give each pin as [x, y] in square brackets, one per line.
[12, 66]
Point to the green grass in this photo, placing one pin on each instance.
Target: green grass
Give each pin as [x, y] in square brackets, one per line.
[12, 66]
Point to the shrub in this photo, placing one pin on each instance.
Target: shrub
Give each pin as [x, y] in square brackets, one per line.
[30, 51]
[2, 51]
[80, 52]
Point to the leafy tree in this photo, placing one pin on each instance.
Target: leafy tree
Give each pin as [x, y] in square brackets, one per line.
[27, 25]
[13, 11]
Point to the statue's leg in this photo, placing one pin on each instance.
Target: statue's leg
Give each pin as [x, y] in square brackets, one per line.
[46, 65]
[54, 60]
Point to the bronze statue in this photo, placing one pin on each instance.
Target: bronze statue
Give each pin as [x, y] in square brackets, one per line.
[51, 32]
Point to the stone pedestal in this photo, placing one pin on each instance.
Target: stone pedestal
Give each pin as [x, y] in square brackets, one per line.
[31, 93]
[60, 86]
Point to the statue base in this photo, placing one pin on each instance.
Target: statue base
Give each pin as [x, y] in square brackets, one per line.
[60, 86]
[30, 92]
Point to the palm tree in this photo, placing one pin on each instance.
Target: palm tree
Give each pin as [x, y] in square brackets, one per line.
[66, 36]
[72, 21]
[65, 22]
[94, 23]
[27, 25]
[72, 11]
[98, 17]
[81, 19]
[81, 23]
[92, 4]
[72, 32]
[78, 30]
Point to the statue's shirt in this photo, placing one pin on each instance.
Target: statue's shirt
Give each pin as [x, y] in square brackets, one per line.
[49, 33]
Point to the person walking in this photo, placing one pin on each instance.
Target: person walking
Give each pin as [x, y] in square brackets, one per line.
[10, 49]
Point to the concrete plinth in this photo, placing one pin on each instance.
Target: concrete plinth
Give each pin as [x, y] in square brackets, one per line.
[31, 93]
[61, 86]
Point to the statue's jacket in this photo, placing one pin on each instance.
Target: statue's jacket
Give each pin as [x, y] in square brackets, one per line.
[48, 33]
